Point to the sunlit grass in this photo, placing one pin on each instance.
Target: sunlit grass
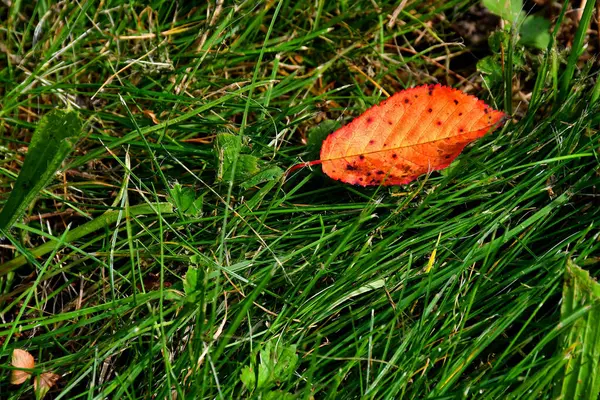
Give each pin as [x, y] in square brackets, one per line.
[343, 273]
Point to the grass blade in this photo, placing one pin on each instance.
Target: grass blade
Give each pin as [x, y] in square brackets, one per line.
[576, 50]
[102, 221]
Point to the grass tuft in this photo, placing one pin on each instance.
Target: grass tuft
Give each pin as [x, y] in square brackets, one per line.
[149, 269]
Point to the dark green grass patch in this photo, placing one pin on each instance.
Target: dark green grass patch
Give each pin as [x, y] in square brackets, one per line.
[205, 280]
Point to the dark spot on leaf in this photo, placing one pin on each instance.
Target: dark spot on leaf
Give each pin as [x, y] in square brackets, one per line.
[369, 120]
[368, 174]
[455, 101]
[360, 179]
[351, 167]
[380, 172]
[373, 181]
[394, 156]
[447, 156]
[461, 130]
[439, 123]
[371, 141]
[485, 110]
[430, 110]
[459, 114]
[362, 157]
[390, 122]
[385, 145]
[406, 101]
[416, 96]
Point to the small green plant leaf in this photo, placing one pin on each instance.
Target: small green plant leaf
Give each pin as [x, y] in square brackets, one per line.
[498, 40]
[535, 32]
[53, 140]
[227, 149]
[184, 199]
[195, 208]
[194, 280]
[279, 395]
[264, 374]
[266, 175]
[246, 167]
[248, 378]
[491, 71]
[318, 133]
[510, 10]
[581, 342]
[277, 365]
[191, 283]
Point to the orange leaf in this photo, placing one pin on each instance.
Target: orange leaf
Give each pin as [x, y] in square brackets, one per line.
[414, 132]
[21, 359]
[43, 383]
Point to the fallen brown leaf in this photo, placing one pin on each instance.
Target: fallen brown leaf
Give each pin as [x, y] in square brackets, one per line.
[43, 383]
[21, 359]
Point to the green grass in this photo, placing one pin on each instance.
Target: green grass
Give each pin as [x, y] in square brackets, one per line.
[331, 272]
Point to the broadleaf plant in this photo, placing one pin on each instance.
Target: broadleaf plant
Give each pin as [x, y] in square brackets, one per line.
[53, 140]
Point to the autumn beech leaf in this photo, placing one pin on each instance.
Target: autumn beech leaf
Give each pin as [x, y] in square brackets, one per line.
[44, 382]
[22, 360]
[414, 132]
